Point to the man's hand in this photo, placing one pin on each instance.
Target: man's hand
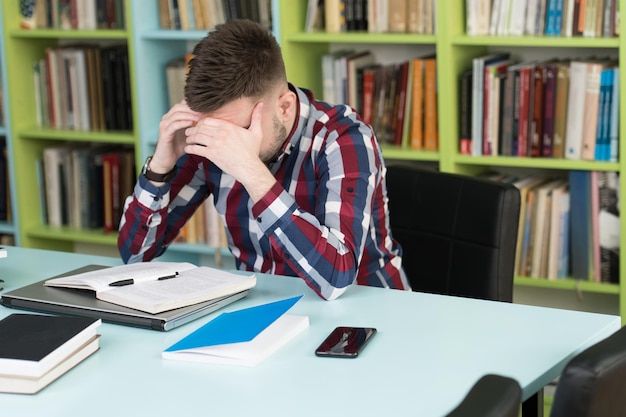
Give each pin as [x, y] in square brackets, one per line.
[171, 143]
[234, 149]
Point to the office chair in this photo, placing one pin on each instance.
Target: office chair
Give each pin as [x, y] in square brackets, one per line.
[491, 396]
[458, 233]
[593, 383]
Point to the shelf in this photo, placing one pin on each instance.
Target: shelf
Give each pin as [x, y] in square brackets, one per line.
[547, 163]
[78, 135]
[70, 234]
[7, 228]
[569, 284]
[361, 37]
[397, 152]
[537, 41]
[174, 35]
[69, 34]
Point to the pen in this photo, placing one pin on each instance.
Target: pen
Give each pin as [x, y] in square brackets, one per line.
[122, 282]
[131, 281]
[174, 275]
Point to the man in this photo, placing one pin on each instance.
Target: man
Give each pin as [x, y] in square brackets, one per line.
[298, 183]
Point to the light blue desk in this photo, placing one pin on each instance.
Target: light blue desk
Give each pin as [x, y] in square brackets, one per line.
[429, 351]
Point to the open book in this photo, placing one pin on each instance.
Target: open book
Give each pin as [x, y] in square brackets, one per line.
[155, 287]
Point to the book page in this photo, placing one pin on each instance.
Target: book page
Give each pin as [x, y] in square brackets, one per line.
[99, 280]
[190, 287]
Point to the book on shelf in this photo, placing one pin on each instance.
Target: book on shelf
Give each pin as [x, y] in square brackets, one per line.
[591, 106]
[542, 227]
[478, 82]
[581, 234]
[524, 185]
[431, 131]
[558, 251]
[465, 112]
[609, 225]
[36, 349]
[560, 109]
[155, 287]
[244, 337]
[575, 110]
[314, 16]
[607, 100]
[491, 106]
[419, 102]
[614, 118]
[335, 16]
[549, 92]
[70, 14]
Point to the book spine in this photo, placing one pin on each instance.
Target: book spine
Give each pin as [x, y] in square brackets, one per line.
[548, 115]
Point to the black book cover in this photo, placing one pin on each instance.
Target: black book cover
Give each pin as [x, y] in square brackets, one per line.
[32, 337]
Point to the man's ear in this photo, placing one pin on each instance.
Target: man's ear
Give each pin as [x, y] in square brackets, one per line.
[287, 103]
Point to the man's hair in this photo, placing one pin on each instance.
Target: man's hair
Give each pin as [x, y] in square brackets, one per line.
[238, 59]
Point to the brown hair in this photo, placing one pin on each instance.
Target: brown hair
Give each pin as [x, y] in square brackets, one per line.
[238, 59]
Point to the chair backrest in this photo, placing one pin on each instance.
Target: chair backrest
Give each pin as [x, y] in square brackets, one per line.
[593, 383]
[458, 233]
[491, 396]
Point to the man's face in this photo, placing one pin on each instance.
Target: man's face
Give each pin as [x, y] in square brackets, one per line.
[239, 112]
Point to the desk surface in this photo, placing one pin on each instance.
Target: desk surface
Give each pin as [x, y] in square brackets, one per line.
[428, 351]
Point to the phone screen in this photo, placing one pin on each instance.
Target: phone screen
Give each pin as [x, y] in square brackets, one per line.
[345, 342]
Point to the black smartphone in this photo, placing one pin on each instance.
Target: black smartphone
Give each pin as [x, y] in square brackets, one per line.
[345, 342]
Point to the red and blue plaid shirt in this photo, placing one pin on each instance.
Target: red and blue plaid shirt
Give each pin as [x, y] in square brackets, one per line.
[324, 220]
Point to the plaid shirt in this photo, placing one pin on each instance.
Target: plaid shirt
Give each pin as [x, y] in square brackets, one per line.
[324, 220]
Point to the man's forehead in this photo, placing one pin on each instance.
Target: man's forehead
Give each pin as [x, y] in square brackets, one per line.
[237, 111]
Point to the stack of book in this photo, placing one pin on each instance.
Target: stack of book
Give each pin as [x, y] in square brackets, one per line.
[35, 349]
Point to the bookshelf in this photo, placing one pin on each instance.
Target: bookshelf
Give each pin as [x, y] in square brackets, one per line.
[28, 139]
[455, 50]
[9, 226]
[151, 47]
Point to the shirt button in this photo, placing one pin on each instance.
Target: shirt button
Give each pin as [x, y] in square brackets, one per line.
[259, 219]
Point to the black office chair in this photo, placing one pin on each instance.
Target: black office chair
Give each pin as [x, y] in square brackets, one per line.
[458, 232]
[593, 383]
[491, 396]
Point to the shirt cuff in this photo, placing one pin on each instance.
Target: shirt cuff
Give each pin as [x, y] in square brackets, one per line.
[151, 196]
[272, 207]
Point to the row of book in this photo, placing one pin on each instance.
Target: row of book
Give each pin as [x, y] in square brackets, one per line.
[205, 14]
[84, 88]
[399, 100]
[376, 16]
[555, 108]
[569, 227]
[595, 19]
[85, 185]
[5, 194]
[204, 227]
[72, 14]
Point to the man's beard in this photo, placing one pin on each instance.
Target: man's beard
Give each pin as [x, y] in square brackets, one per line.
[280, 136]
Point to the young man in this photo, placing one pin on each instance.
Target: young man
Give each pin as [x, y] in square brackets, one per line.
[299, 183]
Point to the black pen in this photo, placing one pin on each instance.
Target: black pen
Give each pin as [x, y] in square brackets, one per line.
[122, 282]
[174, 275]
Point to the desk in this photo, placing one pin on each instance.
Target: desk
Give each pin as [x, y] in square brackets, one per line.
[429, 350]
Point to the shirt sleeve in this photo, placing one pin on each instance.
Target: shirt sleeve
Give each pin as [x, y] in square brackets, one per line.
[153, 215]
[325, 247]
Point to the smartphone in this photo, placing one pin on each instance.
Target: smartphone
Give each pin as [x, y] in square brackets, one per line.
[345, 342]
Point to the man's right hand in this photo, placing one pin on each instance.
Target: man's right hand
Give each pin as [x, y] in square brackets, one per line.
[171, 143]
